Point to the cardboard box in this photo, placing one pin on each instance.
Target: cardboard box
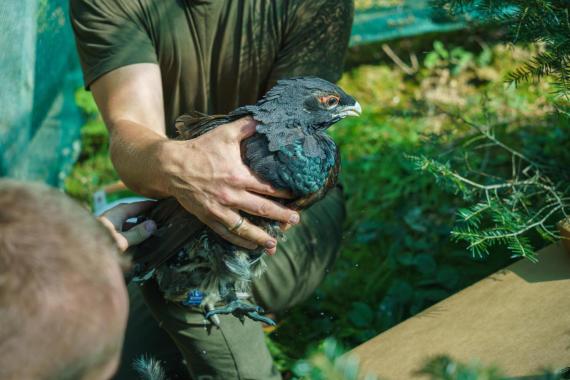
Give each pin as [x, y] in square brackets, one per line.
[517, 319]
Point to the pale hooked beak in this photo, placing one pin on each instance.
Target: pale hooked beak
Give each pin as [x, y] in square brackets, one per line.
[354, 110]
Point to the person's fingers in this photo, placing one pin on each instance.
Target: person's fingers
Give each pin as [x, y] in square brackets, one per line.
[253, 233]
[216, 218]
[245, 127]
[225, 234]
[108, 224]
[260, 206]
[285, 226]
[118, 214]
[120, 240]
[137, 208]
[139, 233]
[253, 184]
[237, 130]
[128, 225]
[229, 219]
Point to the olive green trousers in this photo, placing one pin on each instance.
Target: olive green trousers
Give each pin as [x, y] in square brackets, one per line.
[185, 341]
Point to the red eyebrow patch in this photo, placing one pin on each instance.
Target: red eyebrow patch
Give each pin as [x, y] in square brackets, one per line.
[329, 100]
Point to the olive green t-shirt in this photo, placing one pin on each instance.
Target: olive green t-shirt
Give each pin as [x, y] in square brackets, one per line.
[214, 55]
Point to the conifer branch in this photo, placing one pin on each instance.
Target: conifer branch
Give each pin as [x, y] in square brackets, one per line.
[510, 208]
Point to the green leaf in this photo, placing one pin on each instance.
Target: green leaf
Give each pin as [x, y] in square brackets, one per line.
[431, 60]
[425, 263]
[401, 291]
[361, 314]
[485, 58]
[405, 258]
[448, 277]
[439, 48]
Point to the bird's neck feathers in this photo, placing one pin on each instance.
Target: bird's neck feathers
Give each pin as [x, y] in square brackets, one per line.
[266, 113]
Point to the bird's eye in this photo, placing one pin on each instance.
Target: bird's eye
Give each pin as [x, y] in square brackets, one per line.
[330, 101]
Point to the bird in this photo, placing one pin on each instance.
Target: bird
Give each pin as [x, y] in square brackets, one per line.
[290, 150]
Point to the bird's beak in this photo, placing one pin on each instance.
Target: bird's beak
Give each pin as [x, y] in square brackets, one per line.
[354, 110]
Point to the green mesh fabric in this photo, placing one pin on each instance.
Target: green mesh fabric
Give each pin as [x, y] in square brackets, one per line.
[39, 121]
[384, 20]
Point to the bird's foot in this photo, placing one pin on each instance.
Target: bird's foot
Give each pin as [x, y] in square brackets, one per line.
[241, 310]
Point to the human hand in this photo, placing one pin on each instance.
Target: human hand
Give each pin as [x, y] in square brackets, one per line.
[115, 221]
[208, 177]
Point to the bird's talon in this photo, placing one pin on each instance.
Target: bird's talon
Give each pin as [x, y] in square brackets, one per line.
[260, 318]
[241, 310]
[214, 319]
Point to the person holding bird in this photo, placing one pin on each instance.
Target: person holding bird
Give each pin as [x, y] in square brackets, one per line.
[149, 61]
[291, 152]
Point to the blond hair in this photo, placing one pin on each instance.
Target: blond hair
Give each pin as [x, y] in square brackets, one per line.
[56, 289]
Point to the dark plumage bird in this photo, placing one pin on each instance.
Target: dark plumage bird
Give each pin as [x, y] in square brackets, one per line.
[291, 151]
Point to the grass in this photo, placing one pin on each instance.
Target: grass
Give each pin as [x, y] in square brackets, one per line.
[397, 258]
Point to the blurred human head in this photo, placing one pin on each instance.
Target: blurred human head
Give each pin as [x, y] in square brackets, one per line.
[63, 302]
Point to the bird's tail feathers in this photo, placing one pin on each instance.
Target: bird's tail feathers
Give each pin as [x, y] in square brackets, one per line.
[238, 265]
[149, 368]
[195, 123]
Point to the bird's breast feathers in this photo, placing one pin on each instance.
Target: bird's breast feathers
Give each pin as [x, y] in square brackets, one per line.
[291, 158]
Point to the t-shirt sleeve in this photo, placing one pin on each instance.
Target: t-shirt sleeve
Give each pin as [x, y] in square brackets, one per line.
[109, 34]
[315, 40]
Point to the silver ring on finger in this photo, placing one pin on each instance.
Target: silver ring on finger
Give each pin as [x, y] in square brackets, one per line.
[238, 224]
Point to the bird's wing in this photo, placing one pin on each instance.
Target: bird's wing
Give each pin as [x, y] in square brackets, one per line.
[194, 124]
[176, 227]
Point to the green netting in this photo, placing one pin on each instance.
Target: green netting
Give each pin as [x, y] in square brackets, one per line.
[384, 20]
[39, 72]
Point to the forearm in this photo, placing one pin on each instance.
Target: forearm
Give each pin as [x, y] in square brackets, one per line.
[139, 156]
[131, 104]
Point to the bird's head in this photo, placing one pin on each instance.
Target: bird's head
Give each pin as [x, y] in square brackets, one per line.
[309, 101]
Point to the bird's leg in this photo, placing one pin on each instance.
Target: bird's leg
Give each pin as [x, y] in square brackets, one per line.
[253, 315]
[240, 309]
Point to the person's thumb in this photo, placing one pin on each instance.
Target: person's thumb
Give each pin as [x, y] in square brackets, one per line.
[244, 128]
[139, 233]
